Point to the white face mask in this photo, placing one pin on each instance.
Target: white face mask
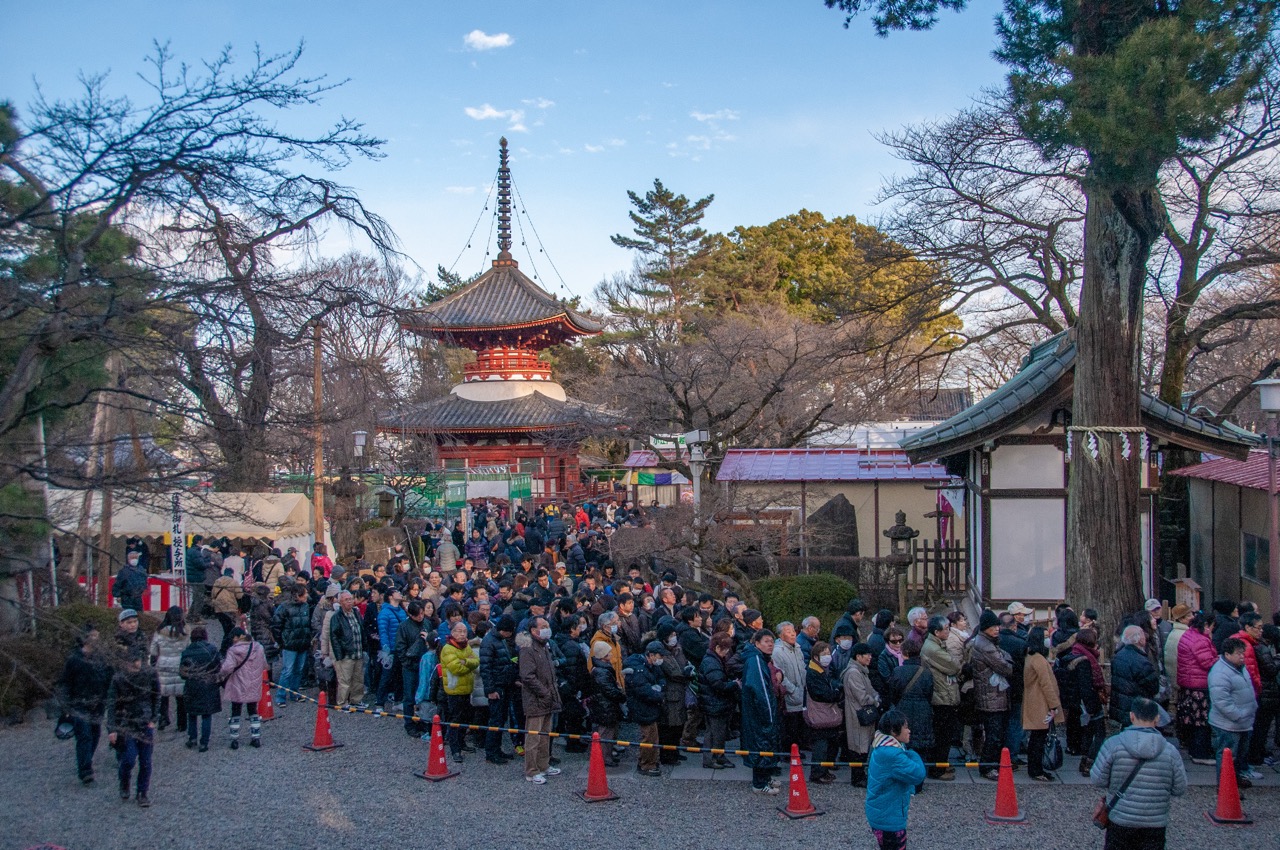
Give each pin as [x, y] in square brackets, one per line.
[545, 634]
[845, 643]
[613, 629]
[650, 605]
[672, 641]
[824, 660]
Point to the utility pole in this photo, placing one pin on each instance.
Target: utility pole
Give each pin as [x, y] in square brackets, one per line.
[318, 399]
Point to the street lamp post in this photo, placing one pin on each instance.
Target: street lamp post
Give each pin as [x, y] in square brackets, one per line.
[1269, 401]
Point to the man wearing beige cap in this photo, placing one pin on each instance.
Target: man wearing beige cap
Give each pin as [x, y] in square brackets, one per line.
[1020, 614]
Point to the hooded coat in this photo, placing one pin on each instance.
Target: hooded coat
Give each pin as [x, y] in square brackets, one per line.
[166, 649]
[645, 686]
[892, 776]
[242, 669]
[761, 709]
[1146, 803]
[199, 668]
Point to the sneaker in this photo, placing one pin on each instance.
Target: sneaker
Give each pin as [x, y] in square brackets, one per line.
[467, 748]
[648, 771]
[1243, 783]
[1252, 774]
[191, 743]
[496, 760]
[1205, 762]
[519, 750]
[773, 783]
[256, 743]
[553, 771]
[536, 779]
[1269, 761]
[771, 790]
[204, 748]
[991, 775]
[143, 801]
[235, 743]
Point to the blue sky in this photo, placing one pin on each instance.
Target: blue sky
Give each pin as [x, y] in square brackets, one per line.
[771, 106]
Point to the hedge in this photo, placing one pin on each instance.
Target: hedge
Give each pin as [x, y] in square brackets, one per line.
[795, 597]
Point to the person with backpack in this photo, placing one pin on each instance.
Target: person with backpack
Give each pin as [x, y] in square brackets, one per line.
[1142, 773]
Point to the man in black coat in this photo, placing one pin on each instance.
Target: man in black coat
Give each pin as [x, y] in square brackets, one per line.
[498, 673]
[1012, 642]
[133, 706]
[83, 689]
[1132, 674]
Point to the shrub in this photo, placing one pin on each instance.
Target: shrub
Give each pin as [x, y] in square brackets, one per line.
[31, 664]
[796, 597]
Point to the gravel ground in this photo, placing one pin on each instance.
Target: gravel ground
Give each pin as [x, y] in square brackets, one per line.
[365, 796]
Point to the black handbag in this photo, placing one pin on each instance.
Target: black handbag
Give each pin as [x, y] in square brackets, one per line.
[1053, 750]
[869, 715]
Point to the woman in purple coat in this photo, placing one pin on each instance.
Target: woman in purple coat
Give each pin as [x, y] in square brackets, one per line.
[242, 684]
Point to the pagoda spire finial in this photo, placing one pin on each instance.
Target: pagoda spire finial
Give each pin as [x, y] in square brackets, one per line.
[504, 206]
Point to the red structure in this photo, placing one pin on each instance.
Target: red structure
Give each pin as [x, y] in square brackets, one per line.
[508, 412]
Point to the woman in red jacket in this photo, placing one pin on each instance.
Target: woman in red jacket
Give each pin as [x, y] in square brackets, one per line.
[1196, 656]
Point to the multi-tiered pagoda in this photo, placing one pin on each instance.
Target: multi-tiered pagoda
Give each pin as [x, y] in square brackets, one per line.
[508, 411]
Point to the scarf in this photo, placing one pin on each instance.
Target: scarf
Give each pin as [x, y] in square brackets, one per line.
[883, 740]
[1095, 668]
[458, 644]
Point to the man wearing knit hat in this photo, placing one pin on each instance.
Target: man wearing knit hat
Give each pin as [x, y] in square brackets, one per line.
[992, 669]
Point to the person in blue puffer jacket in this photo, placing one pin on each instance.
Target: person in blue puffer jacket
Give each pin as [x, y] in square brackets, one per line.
[390, 616]
[893, 774]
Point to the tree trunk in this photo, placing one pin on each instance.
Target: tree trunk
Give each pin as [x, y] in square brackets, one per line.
[1104, 564]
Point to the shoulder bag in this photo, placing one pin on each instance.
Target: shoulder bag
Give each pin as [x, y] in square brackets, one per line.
[823, 715]
[1102, 810]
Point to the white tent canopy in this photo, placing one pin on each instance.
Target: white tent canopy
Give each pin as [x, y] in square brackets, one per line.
[273, 515]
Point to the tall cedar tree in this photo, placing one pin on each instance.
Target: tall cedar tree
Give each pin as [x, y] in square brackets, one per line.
[1131, 84]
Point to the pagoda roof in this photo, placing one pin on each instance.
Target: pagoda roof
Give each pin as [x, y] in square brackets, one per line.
[533, 412]
[503, 298]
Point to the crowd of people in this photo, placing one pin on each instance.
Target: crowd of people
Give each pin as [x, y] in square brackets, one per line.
[527, 624]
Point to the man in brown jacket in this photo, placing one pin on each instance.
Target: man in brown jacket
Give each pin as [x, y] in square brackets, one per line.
[541, 700]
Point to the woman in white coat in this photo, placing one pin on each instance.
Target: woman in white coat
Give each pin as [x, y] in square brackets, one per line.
[166, 656]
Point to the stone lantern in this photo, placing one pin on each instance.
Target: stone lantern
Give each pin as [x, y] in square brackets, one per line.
[900, 536]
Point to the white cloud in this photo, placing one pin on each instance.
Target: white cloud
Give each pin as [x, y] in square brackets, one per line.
[486, 112]
[616, 143]
[480, 40]
[718, 115]
[701, 142]
[593, 148]
[539, 103]
[460, 190]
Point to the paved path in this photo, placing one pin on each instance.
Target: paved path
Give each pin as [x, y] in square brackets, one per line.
[365, 796]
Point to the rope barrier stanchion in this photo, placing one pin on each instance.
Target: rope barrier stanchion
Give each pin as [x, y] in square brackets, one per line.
[798, 804]
[437, 767]
[598, 790]
[323, 737]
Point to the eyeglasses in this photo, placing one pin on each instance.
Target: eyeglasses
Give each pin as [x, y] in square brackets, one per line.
[895, 642]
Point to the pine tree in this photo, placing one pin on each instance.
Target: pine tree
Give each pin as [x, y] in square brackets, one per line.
[669, 240]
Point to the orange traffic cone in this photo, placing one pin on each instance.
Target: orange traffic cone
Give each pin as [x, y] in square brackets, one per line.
[597, 780]
[266, 708]
[798, 805]
[1006, 810]
[1229, 810]
[437, 767]
[323, 738]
